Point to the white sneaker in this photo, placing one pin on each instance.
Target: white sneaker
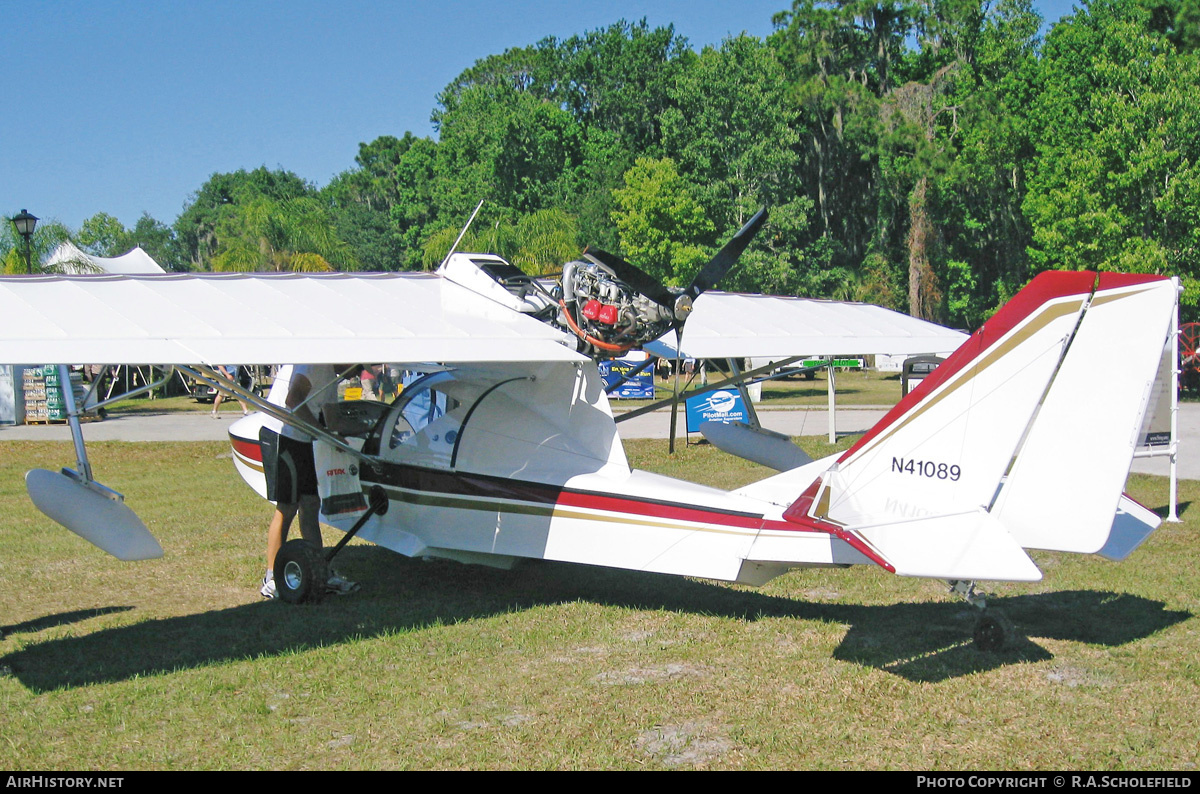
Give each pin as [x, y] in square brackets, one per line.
[268, 586]
[339, 585]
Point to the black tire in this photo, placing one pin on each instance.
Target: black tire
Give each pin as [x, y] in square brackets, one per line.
[301, 571]
[993, 631]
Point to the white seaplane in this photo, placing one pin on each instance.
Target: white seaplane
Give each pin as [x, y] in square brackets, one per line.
[1020, 440]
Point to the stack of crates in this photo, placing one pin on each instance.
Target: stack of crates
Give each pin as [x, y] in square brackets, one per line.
[44, 401]
[34, 385]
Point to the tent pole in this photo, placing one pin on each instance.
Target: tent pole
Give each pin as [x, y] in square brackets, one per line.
[832, 387]
[1172, 503]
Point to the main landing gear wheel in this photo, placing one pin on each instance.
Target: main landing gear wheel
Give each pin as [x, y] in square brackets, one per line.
[993, 631]
[301, 572]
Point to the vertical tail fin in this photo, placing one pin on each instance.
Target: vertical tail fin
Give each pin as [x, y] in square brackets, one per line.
[1033, 420]
[945, 447]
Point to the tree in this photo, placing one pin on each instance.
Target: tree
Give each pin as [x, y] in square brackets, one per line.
[196, 229]
[538, 242]
[291, 234]
[978, 199]
[618, 79]
[912, 156]
[156, 239]
[555, 125]
[1115, 184]
[661, 223]
[362, 200]
[840, 56]
[731, 128]
[102, 235]
[539, 150]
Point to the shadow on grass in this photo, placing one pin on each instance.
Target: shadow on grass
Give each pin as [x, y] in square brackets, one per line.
[919, 642]
[821, 391]
[1165, 510]
[61, 619]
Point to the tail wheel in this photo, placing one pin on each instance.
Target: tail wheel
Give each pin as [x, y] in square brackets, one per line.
[301, 572]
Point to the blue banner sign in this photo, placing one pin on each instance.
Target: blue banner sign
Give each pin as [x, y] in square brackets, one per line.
[639, 387]
[723, 405]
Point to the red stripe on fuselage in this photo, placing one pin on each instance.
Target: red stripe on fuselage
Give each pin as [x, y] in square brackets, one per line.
[246, 448]
[484, 486]
[457, 484]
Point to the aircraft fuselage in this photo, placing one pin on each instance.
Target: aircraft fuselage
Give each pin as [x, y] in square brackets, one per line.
[502, 471]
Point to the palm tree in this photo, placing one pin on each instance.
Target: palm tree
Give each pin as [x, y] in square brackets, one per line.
[538, 242]
[46, 238]
[287, 235]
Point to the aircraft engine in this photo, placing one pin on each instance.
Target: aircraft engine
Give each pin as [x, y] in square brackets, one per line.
[608, 315]
[607, 304]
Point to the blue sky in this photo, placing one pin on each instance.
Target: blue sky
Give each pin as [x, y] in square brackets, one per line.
[127, 107]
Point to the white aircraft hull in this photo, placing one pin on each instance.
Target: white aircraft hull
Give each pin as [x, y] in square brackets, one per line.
[639, 521]
[1022, 439]
[523, 461]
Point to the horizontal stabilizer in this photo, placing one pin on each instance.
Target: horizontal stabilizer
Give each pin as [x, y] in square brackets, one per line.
[1132, 524]
[962, 546]
[96, 517]
[760, 445]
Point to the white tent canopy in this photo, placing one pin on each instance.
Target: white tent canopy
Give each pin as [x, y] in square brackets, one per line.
[67, 258]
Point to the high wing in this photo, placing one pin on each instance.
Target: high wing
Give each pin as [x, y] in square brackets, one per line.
[725, 325]
[211, 319]
[732, 325]
[262, 319]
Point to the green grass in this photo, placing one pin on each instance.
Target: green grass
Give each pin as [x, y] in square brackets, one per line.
[177, 664]
[144, 406]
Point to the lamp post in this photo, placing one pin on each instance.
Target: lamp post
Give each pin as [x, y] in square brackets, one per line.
[25, 224]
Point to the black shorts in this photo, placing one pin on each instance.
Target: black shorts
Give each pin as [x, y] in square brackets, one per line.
[288, 466]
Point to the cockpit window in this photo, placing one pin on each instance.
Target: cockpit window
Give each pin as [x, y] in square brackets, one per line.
[401, 431]
[424, 426]
[501, 271]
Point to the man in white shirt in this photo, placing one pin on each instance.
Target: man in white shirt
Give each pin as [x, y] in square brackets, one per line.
[288, 463]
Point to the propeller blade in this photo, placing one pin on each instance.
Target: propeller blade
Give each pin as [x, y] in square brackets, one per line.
[727, 257]
[644, 284]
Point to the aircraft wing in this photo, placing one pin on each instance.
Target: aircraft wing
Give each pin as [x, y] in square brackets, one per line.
[730, 325]
[219, 318]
